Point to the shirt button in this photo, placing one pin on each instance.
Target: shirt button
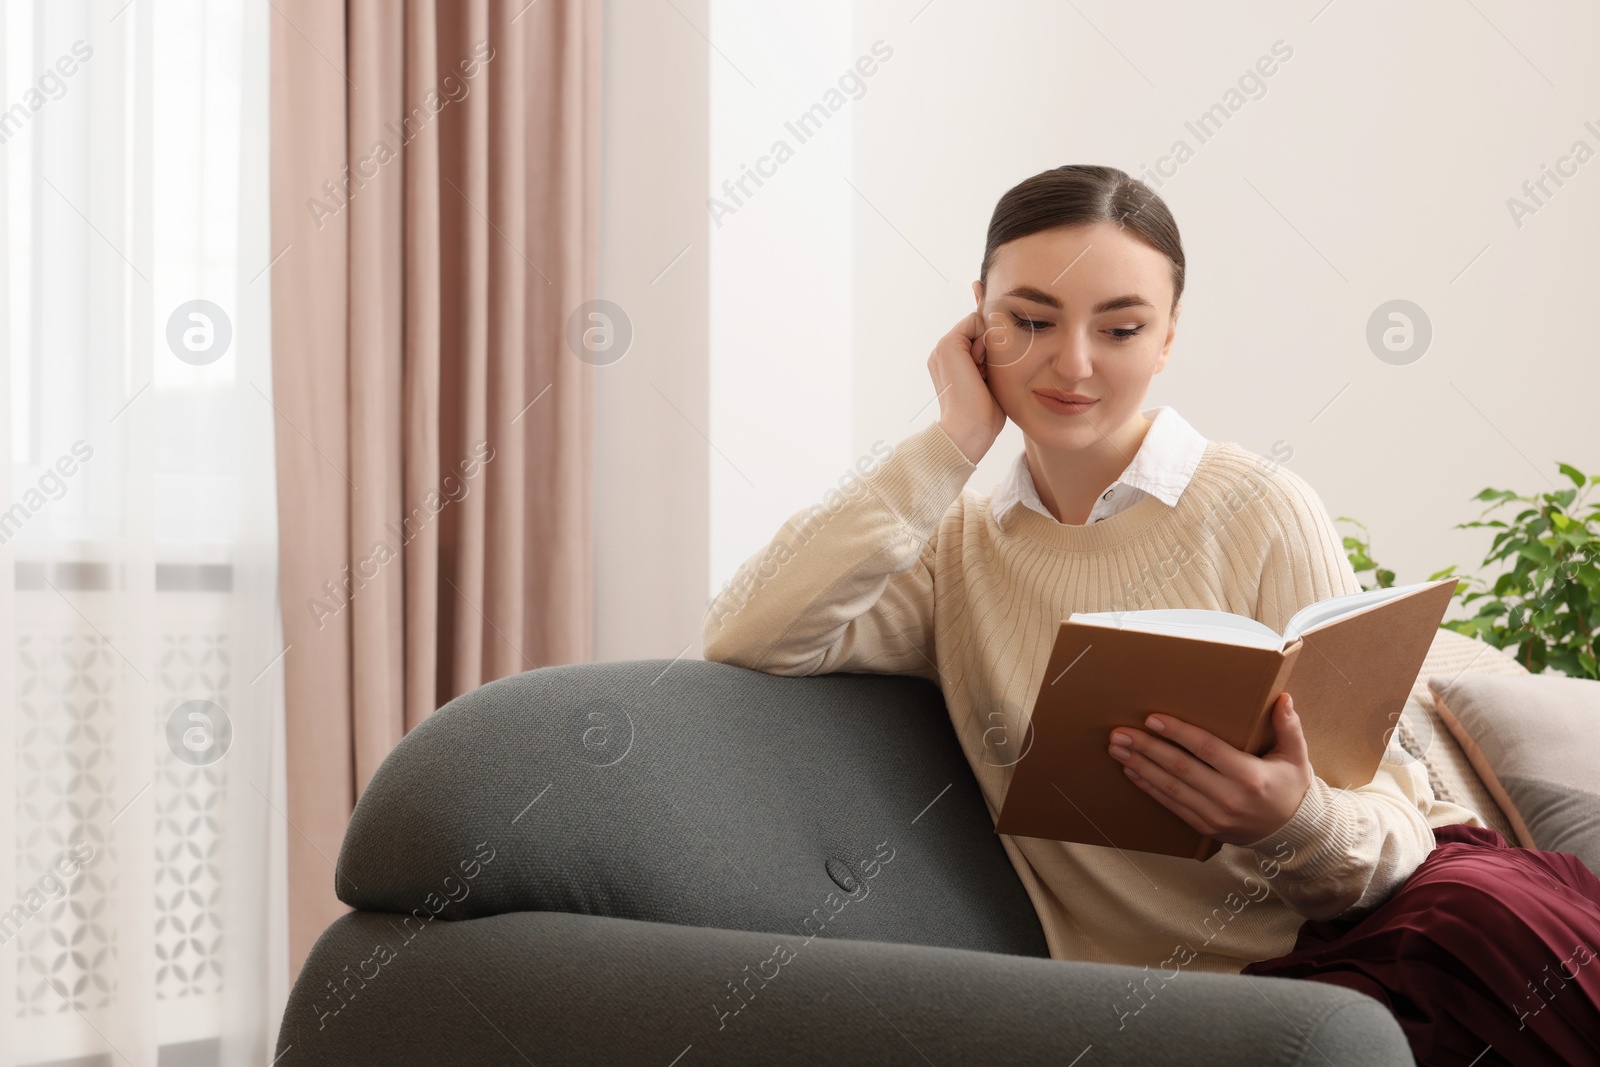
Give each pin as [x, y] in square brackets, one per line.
[1108, 494]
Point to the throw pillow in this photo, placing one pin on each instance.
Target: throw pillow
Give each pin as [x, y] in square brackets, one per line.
[1535, 742]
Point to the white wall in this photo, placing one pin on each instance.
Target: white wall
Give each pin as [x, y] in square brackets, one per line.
[781, 283]
[1376, 165]
[651, 500]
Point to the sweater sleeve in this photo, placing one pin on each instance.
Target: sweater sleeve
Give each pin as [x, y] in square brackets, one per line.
[1305, 558]
[1344, 850]
[847, 585]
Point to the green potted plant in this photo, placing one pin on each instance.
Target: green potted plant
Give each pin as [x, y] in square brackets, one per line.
[1359, 549]
[1545, 603]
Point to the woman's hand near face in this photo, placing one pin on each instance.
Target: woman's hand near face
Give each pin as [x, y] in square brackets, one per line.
[967, 409]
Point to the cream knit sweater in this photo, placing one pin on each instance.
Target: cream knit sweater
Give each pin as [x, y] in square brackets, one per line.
[906, 572]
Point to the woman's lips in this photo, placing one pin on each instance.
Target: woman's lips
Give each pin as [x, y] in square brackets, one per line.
[1062, 407]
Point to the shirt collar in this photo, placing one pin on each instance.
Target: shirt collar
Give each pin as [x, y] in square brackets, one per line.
[1163, 466]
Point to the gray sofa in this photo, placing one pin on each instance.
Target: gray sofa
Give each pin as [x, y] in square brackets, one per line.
[686, 863]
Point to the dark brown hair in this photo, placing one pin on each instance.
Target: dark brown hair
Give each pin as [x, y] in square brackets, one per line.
[1081, 193]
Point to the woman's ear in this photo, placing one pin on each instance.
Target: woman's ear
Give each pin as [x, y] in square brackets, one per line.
[1166, 346]
[977, 293]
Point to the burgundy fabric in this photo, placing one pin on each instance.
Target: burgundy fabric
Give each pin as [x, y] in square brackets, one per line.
[1488, 954]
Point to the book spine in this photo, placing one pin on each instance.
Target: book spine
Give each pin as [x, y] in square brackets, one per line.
[1262, 737]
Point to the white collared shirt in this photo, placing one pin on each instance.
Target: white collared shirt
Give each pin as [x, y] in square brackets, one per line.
[1162, 467]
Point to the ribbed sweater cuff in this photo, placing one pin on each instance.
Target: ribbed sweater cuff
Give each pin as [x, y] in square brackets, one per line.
[1317, 840]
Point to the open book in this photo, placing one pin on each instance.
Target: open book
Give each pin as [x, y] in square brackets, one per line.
[1349, 662]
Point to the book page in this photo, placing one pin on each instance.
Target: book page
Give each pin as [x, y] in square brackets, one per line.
[1205, 625]
[1309, 618]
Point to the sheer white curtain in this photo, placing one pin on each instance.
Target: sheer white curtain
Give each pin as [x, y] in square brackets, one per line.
[141, 883]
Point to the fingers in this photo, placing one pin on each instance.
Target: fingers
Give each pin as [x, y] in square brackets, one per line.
[1291, 744]
[1220, 791]
[983, 339]
[1176, 778]
[1206, 746]
[1183, 811]
[970, 327]
[959, 366]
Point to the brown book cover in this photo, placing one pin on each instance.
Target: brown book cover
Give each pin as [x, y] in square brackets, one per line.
[1349, 678]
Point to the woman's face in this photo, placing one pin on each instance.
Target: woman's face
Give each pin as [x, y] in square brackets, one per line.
[1085, 310]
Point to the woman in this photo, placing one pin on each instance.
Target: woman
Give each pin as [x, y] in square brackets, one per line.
[1110, 507]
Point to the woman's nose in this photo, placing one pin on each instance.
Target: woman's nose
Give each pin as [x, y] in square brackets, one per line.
[1071, 359]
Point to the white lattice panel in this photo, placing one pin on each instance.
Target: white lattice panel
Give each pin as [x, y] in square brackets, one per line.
[72, 684]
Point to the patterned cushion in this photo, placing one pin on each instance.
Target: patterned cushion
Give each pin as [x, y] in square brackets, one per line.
[1423, 734]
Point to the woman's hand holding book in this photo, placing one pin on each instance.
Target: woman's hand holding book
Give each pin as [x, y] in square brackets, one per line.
[1219, 790]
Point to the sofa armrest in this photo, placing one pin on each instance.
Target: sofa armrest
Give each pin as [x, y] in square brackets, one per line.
[558, 989]
[694, 793]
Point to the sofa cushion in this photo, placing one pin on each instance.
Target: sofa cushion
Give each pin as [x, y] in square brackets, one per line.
[553, 989]
[1422, 732]
[695, 793]
[1533, 741]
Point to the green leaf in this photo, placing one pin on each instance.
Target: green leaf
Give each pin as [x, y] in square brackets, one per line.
[1563, 498]
[1538, 595]
[1563, 661]
[1537, 551]
[1512, 544]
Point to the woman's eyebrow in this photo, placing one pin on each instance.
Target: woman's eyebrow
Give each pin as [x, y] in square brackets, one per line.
[1039, 296]
[1129, 300]
[1035, 295]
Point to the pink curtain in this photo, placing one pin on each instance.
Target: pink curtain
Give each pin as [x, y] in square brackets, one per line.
[434, 197]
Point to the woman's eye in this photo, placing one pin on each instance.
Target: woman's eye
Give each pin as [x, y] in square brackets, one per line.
[1125, 333]
[1029, 324]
